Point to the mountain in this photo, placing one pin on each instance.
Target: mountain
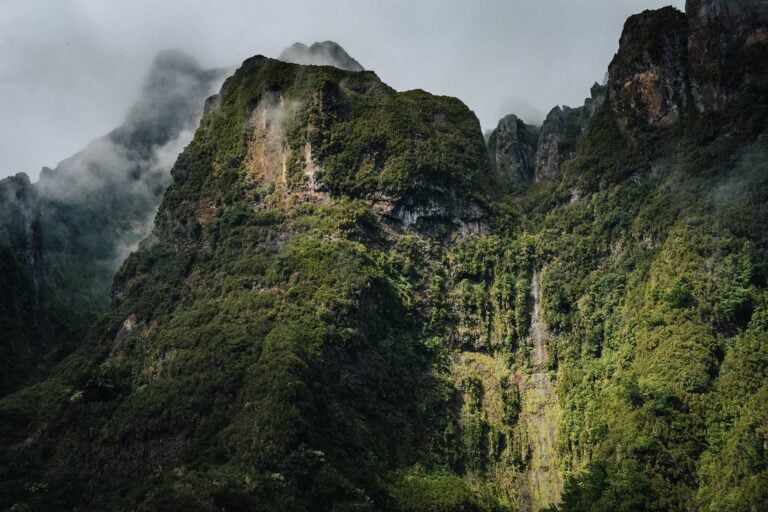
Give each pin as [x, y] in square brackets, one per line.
[527, 154]
[349, 302]
[512, 147]
[326, 53]
[283, 272]
[63, 237]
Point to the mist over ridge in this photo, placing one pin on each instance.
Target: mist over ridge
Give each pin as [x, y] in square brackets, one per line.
[63, 236]
[301, 286]
[74, 68]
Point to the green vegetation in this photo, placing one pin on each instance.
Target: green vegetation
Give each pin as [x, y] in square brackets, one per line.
[266, 348]
[279, 343]
[63, 237]
[670, 271]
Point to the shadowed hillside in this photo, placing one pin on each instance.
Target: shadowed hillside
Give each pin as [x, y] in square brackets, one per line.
[349, 302]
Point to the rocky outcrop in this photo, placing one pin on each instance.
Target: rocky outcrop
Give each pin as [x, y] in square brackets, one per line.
[327, 53]
[647, 84]
[512, 149]
[670, 64]
[465, 216]
[526, 154]
[557, 140]
[728, 46]
[598, 94]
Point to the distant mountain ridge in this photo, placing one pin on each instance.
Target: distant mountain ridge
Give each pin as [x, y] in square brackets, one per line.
[62, 237]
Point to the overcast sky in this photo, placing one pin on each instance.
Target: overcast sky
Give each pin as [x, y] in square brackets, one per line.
[70, 69]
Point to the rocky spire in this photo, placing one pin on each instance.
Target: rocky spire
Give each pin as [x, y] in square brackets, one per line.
[512, 148]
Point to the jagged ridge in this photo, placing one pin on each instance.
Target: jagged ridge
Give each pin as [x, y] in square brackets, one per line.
[63, 237]
[289, 339]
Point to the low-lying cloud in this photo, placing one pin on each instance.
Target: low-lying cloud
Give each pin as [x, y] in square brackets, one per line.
[71, 68]
[118, 180]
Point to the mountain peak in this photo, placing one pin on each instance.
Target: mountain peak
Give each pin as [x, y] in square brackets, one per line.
[176, 60]
[326, 53]
[512, 149]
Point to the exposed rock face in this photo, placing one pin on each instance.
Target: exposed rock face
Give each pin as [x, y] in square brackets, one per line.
[557, 140]
[526, 154]
[327, 53]
[647, 87]
[80, 220]
[347, 151]
[647, 84]
[597, 97]
[512, 148]
[727, 47]
[439, 210]
[669, 62]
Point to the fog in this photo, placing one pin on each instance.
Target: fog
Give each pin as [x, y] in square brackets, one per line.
[100, 203]
[71, 69]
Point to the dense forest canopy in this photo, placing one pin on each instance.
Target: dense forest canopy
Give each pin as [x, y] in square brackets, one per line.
[350, 300]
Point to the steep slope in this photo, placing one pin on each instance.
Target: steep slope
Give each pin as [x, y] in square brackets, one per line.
[512, 147]
[524, 154]
[63, 237]
[267, 347]
[658, 280]
[649, 234]
[725, 49]
[342, 306]
[557, 138]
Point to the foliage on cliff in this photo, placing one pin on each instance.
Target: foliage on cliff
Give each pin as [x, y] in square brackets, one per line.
[333, 312]
[271, 345]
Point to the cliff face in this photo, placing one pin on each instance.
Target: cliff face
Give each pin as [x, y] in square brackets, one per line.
[597, 96]
[341, 306]
[512, 147]
[66, 234]
[669, 62]
[727, 47]
[525, 154]
[647, 77]
[362, 139]
[556, 140]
